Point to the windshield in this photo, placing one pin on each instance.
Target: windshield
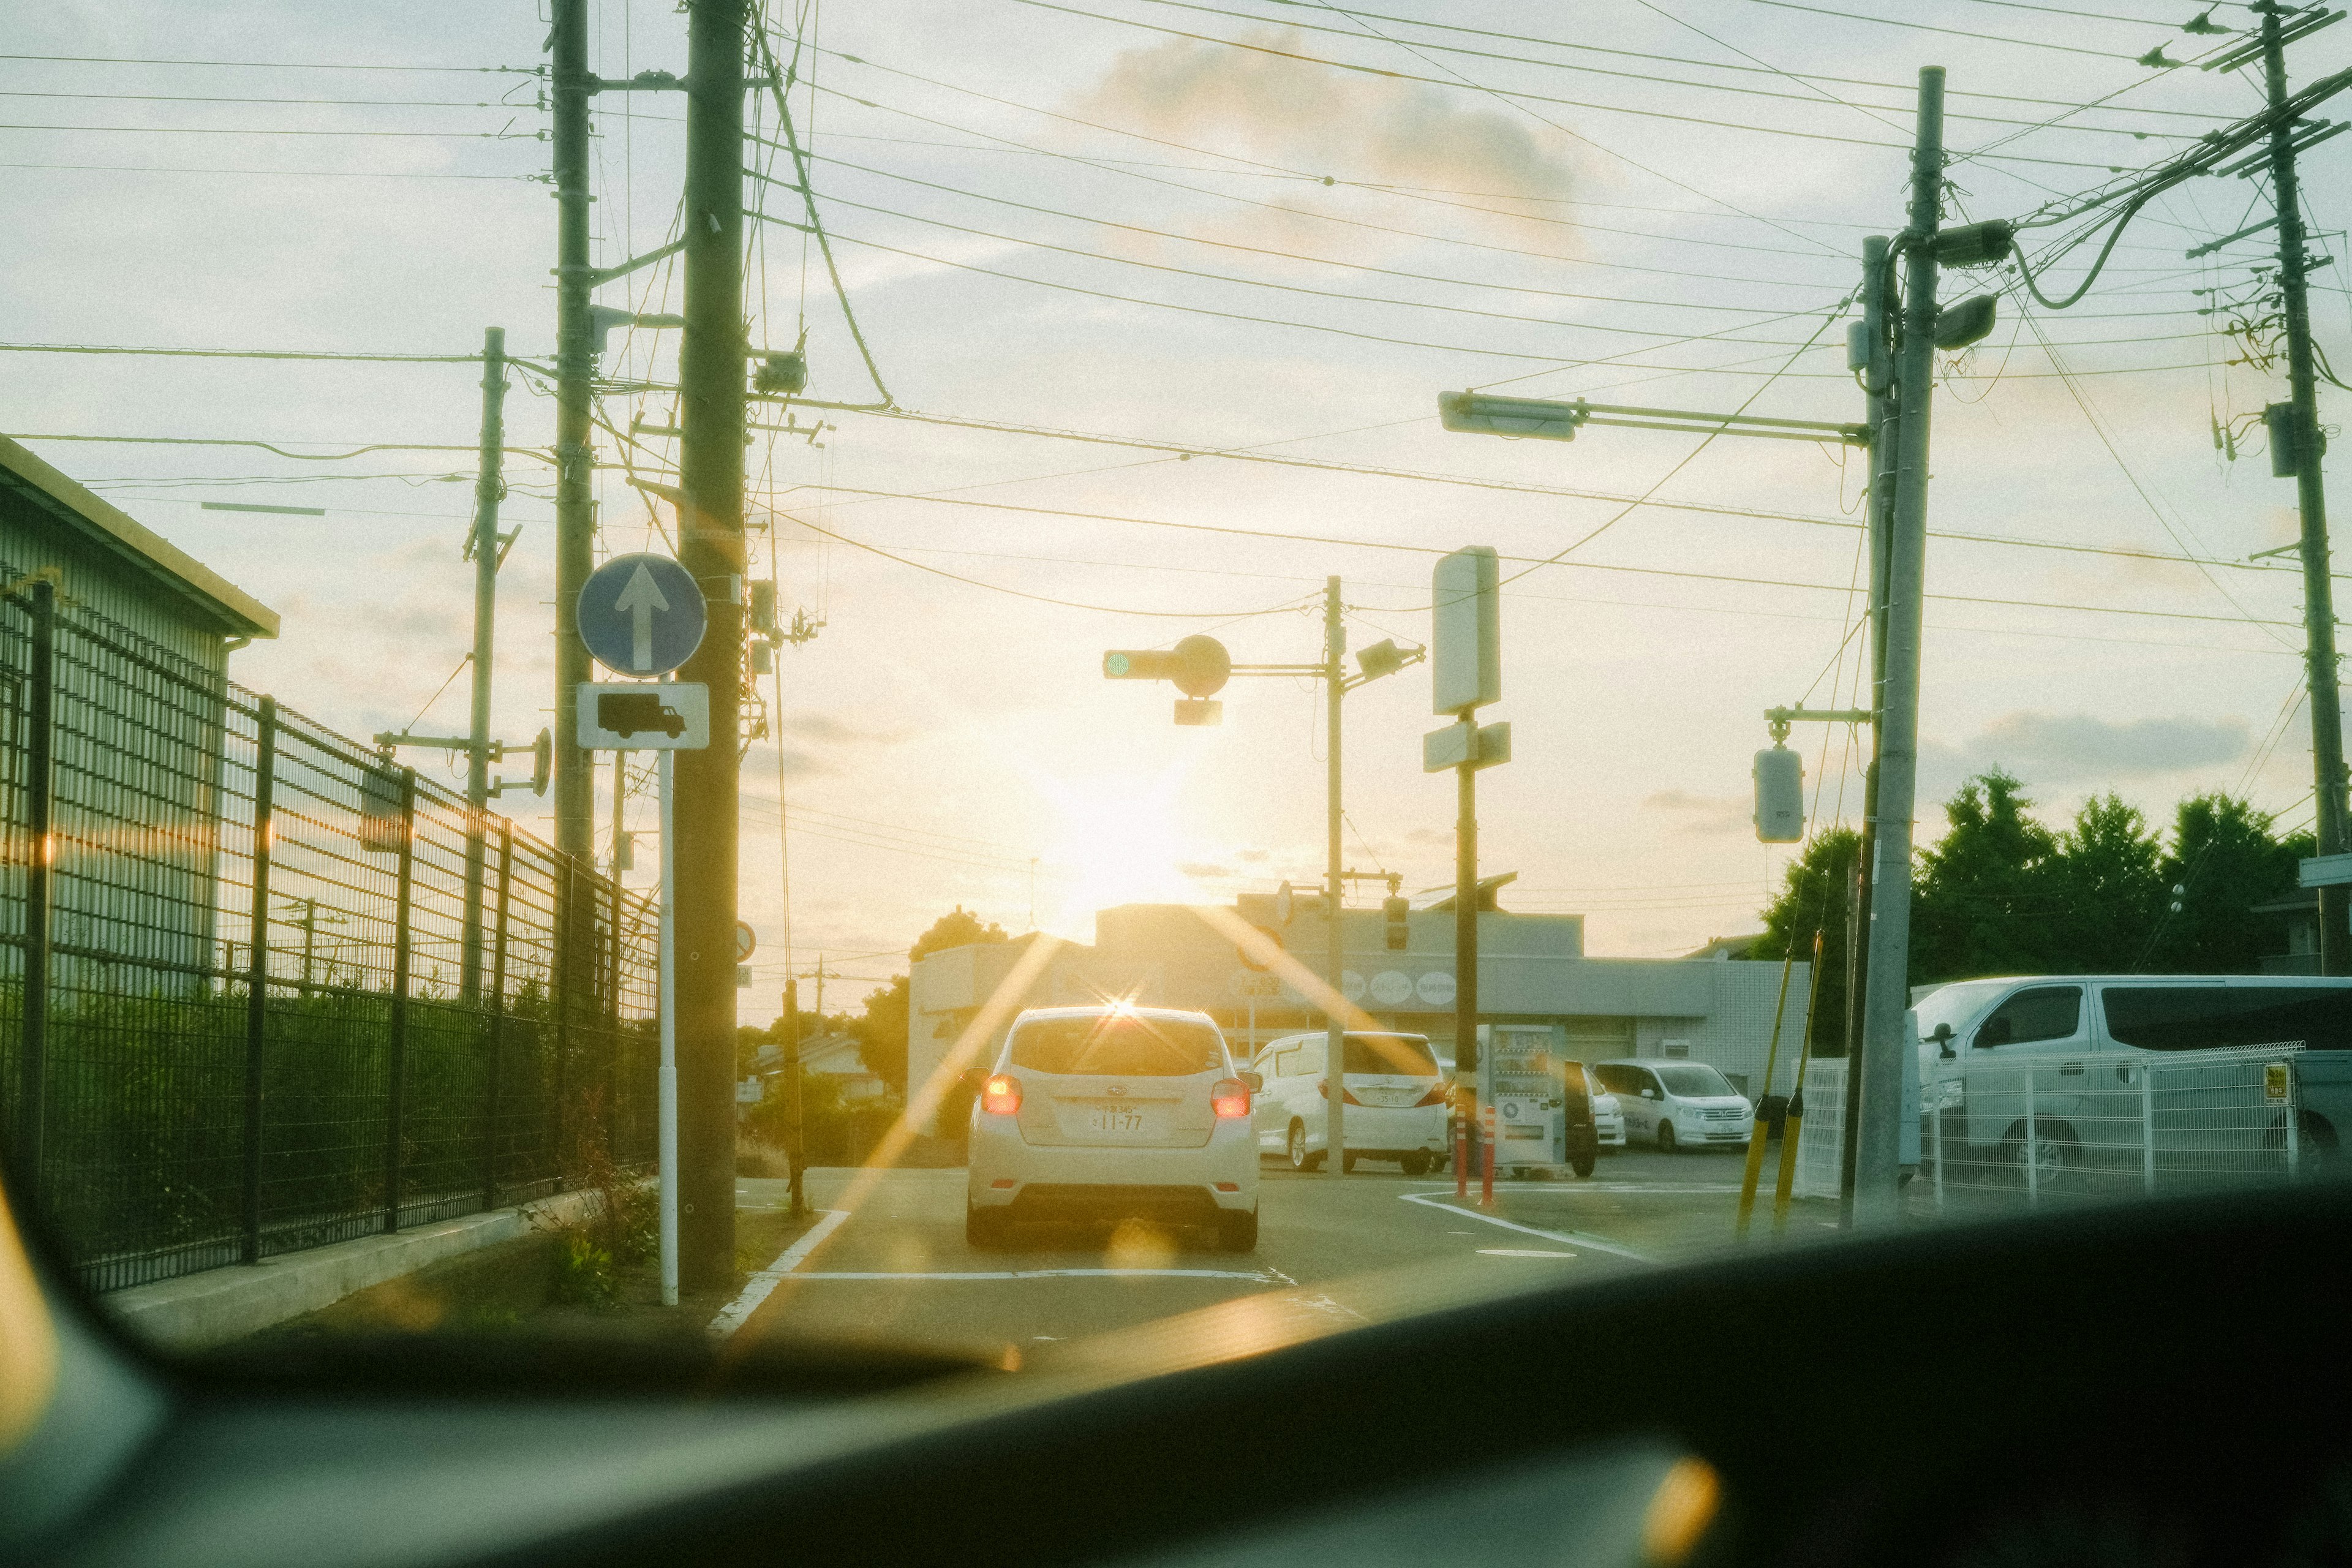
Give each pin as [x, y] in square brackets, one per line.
[1117, 1047]
[1693, 1080]
[1407, 1054]
[816, 756]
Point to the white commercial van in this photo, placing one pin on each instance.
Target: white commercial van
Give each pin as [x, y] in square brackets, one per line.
[2080, 1037]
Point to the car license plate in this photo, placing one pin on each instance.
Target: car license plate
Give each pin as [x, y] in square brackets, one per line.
[1114, 1121]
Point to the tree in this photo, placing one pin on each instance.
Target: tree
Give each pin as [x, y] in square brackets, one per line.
[1984, 899]
[2225, 860]
[2107, 880]
[882, 1033]
[1814, 897]
[956, 930]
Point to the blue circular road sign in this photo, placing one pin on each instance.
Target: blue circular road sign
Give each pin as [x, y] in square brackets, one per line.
[641, 614]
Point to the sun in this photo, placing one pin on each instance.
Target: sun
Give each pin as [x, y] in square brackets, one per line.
[1116, 842]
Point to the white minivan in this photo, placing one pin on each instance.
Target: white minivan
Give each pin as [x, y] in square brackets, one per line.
[1395, 1097]
[1676, 1104]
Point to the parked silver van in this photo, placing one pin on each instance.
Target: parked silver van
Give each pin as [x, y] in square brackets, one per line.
[2077, 1043]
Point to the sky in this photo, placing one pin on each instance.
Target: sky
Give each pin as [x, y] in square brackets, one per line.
[1253, 227]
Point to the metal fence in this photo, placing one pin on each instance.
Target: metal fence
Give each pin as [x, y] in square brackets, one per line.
[2000, 1132]
[262, 988]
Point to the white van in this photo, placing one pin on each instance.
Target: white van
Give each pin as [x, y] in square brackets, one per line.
[2079, 1037]
[1394, 1094]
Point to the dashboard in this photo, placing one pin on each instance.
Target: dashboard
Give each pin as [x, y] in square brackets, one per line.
[2162, 1384]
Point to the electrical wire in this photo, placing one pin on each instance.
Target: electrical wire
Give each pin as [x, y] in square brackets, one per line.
[354, 358]
[280, 65]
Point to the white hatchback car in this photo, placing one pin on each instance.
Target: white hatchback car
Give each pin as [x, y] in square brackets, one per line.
[1110, 1112]
[1678, 1104]
[1394, 1095]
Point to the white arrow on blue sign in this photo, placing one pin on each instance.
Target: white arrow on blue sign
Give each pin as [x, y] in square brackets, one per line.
[641, 614]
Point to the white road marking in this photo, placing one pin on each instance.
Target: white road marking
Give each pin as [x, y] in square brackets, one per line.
[1267, 1276]
[1520, 1252]
[1566, 1188]
[757, 1288]
[1569, 1239]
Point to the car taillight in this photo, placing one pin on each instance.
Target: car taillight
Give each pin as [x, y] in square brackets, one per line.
[1347, 1095]
[1230, 1099]
[1437, 1095]
[1001, 1096]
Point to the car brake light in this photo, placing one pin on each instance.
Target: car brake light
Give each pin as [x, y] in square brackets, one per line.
[1347, 1095]
[1437, 1095]
[1001, 1096]
[1230, 1099]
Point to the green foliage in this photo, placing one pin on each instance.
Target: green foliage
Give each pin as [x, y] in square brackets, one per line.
[956, 930]
[1814, 898]
[2225, 861]
[882, 1033]
[585, 1274]
[1984, 901]
[2106, 880]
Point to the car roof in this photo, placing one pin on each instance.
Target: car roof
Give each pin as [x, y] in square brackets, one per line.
[1105, 1010]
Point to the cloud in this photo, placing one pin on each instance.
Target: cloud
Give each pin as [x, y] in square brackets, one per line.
[1429, 835]
[2047, 747]
[1336, 124]
[1253, 857]
[1705, 813]
[1203, 871]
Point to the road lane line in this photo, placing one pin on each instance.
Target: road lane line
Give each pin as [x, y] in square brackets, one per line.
[1269, 1276]
[1565, 1237]
[757, 1288]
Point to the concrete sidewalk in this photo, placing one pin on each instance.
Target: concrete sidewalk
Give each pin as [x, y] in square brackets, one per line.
[201, 1311]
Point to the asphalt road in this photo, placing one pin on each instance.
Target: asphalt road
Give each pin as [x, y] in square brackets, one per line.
[887, 1259]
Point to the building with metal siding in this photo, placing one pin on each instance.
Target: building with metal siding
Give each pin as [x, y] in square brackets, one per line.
[1531, 971]
[142, 674]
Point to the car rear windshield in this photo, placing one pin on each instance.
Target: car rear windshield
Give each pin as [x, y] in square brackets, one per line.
[1406, 1054]
[2198, 1017]
[1693, 1080]
[1117, 1047]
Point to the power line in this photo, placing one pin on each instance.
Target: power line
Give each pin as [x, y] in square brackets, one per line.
[1952, 32]
[277, 65]
[241, 353]
[1235, 531]
[336, 102]
[269, 447]
[269, 131]
[295, 173]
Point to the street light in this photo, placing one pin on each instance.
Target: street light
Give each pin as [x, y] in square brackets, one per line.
[1198, 667]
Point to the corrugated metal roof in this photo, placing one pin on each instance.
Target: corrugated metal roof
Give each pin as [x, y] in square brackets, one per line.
[99, 521]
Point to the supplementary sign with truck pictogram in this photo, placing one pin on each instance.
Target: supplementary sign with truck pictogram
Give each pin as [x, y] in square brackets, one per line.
[645, 716]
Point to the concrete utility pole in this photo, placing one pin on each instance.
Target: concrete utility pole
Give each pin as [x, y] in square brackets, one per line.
[2311, 496]
[1886, 991]
[1877, 368]
[569, 88]
[489, 487]
[710, 547]
[1335, 1040]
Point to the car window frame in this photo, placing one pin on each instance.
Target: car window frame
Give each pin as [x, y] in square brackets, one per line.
[1975, 1036]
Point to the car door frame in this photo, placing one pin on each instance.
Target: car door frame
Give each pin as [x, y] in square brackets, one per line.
[2059, 1070]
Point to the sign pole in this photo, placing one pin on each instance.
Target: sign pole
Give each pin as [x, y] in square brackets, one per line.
[668, 1040]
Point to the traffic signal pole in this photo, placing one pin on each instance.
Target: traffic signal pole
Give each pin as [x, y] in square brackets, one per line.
[1886, 991]
[2311, 496]
[1335, 1039]
[710, 548]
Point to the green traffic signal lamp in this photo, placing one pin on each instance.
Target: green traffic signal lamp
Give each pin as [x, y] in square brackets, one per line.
[1198, 666]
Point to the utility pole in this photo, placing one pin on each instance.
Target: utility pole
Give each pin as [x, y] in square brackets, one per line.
[489, 487]
[1886, 986]
[795, 1145]
[1335, 1038]
[1876, 365]
[569, 88]
[710, 547]
[2311, 496]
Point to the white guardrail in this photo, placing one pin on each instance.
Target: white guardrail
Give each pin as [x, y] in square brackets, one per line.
[2054, 1126]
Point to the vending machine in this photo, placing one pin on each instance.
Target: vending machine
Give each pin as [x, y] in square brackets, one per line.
[1517, 1077]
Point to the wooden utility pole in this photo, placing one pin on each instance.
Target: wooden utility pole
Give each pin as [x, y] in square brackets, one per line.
[710, 547]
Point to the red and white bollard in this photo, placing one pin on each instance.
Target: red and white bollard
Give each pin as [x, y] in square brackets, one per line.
[1486, 1155]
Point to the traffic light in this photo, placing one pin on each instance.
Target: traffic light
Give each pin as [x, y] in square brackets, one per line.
[1779, 797]
[1198, 666]
[1397, 911]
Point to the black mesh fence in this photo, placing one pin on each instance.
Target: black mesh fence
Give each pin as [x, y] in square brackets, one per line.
[263, 989]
